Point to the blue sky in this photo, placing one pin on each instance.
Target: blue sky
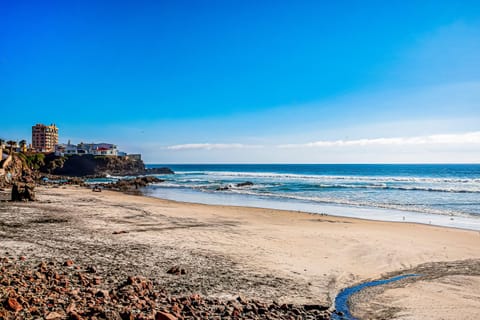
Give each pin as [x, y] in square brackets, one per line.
[248, 81]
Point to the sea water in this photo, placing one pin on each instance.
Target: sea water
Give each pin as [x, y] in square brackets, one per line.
[440, 194]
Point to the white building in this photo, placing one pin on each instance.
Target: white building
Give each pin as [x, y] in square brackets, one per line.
[97, 149]
[65, 149]
[104, 149]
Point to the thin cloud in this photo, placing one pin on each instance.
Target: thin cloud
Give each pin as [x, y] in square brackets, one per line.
[453, 139]
[211, 146]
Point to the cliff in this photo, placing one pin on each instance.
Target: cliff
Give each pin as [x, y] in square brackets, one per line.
[89, 165]
[14, 168]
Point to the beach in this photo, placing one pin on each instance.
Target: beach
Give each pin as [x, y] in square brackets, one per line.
[265, 254]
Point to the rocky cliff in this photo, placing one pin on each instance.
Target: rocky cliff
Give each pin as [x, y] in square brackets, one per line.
[89, 165]
[14, 168]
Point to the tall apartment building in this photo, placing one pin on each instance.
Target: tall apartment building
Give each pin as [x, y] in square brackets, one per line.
[44, 138]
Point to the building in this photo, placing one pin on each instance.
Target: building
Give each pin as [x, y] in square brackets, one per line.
[104, 149]
[65, 149]
[44, 138]
[97, 149]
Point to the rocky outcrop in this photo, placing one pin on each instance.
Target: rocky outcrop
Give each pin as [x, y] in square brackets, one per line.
[163, 170]
[90, 165]
[23, 192]
[238, 185]
[128, 184]
[244, 184]
[15, 169]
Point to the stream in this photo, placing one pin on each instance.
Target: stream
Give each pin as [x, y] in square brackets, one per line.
[341, 301]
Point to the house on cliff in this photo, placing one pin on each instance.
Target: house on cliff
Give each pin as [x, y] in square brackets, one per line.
[96, 149]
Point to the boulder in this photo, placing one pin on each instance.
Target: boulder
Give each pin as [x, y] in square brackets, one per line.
[164, 316]
[23, 192]
[163, 170]
[244, 184]
[14, 305]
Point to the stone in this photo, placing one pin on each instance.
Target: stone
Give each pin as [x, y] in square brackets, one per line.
[164, 316]
[23, 192]
[176, 270]
[309, 307]
[159, 171]
[68, 263]
[53, 316]
[244, 184]
[91, 269]
[14, 305]
[72, 315]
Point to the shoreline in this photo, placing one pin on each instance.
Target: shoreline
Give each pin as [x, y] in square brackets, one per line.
[330, 209]
[266, 254]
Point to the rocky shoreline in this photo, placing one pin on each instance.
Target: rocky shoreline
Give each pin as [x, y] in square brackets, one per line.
[54, 290]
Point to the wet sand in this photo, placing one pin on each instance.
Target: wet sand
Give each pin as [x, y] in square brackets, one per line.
[266, 254]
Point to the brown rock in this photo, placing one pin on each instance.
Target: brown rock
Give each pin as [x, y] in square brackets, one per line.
[71, 307]
[176, 270]
[176, 309]
[68, 263]
[164, 316]
[23, 192]
[74, 316]
[14, 305]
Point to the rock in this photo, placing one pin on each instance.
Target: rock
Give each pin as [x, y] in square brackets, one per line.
[53, 316]
[164, 316]
[72, 315]
[244, 184]
[51, 291]
[309, 307]
[127, 184]
[176, 270]
[163, 170]
[14, 305]
[68, 263]
[23, 192]
[91, 269]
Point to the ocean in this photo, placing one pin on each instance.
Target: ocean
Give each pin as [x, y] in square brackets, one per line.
[440, 194]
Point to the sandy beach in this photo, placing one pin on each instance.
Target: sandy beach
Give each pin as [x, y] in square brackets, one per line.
[286, 256]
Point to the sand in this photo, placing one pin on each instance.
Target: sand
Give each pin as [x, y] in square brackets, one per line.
[267, 254]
